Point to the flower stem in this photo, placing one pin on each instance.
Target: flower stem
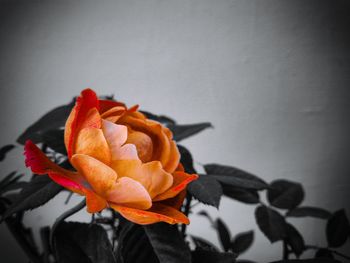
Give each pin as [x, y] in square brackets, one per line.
[186, 212]
[65, 215]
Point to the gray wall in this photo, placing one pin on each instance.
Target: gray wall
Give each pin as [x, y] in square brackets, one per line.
[272, 77]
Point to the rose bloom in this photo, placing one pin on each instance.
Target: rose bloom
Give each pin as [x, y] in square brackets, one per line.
[122, 159]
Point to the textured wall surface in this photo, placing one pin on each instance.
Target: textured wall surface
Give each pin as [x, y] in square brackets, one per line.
[272, 76]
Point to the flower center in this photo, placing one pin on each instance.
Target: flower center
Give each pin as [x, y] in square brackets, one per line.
[143, 145]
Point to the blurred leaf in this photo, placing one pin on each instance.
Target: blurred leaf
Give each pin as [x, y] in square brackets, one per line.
[247, 196]
[295, 240]
[318, 260]
[52, 120]
[81, 242]
[134, 245]
[160, 118]
[208, 256]
[55, 140]
[324, 253]
[229, 175]
[13, 186]
[9, 180]
[337, 229]
[271, 223]
[168, 243]
[186, 159]
[203, 244]
[4, 150]
[285, 194]
[224, 234]
[36, 193]
[206, 189]
[242, 242]
[244, 261]
[181, 132]
[308, 211]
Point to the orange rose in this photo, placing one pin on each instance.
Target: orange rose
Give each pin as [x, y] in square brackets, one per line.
[123, 161]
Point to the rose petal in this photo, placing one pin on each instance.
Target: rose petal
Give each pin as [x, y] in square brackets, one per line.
[176, 201]
[91, 141]
[173, 158]
[164, 149]
[100, 176]
[143, 145]
[94, 202]
[157, 213]
[87, 101]
[181, 180]
[116, 135]
[40, 164]
[151, 175]
[105, 105]
[115, 111]
[130, 193]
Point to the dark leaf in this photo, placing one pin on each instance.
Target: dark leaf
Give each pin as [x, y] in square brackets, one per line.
[203, 244]
[271, 223]
[295, 240]
[4, 150]
[229, 175]
[8, 180]
[168, 243]
[134, 245]
[242, 242]
[55, 140]
[208, 256]
[224, 234]
[307, 211]
[206, 189]
[181, 132]
[52, 120]
[318, 260]
[36, 193]
[186, 159]
[285, 194]
[324, 253]
[160, 118]
[81, 242]
[13, 186]
[247, 196]
[337, 229]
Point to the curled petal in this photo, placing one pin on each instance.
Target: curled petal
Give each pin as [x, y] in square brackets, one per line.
[173, 158]
[157, 213]
[40, 164]
[94, 202]
[105, 105]
[130, 193]
[181, 180]
[86, 102]
[100, 176]
[151, 175]
[115, 111]
[116, 135]
[91, 141]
